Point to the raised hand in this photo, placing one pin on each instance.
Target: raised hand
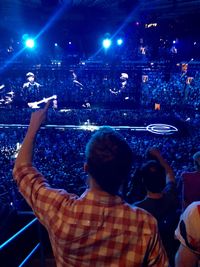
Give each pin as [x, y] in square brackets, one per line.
[37, 118]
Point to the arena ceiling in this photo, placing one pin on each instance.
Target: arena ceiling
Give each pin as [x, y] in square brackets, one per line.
[116, 10]
[36, 11]
[89, 15]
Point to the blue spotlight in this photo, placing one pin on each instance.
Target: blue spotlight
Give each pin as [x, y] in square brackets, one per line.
[30, 43]
[107, 43]
[119, 41]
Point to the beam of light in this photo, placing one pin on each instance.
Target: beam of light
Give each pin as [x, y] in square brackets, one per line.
[11, 60]
[119, 41]
[127, 20]
[30, 43]
[124, 24]
[49, 23]
[157, 128]
[54, 17]
[107, 43]
[14, 57]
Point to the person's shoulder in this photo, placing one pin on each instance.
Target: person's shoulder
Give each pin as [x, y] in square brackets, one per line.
[26, 84]
[187, 231]
[145, 222]
[191, 216]
[141, 204]
[137, 203]
[192, 210]
[37, 84]
[140, 214]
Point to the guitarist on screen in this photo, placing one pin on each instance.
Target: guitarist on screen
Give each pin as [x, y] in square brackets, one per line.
[31, 89]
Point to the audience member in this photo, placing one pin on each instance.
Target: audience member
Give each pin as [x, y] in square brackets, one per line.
[98, 228]
[136, 190]
[187, 232]
[162, 199]
[191, 183]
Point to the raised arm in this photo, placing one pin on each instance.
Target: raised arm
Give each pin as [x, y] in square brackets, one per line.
[31, 183]
[25, 155]
[155, 153]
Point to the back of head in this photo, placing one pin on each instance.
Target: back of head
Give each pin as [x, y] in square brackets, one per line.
[109, 159]
[154, 176]
[196, 158]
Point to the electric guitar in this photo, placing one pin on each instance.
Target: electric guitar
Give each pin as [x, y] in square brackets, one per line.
[44, 100]
[2, 86]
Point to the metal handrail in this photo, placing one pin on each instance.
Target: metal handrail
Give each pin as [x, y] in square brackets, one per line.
[39, 244]
[2, 246]
[29, 255]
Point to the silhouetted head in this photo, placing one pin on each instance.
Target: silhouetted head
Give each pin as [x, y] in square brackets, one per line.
[154, 176]
[109, 159]
[30, 77]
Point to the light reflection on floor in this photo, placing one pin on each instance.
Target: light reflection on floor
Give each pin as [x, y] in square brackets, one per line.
[162, 129]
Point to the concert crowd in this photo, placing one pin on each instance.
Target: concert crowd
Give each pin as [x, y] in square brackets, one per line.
[93, 98]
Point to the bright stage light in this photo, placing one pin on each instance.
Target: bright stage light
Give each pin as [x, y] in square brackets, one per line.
[119, 41]
[107, 43]
[30, 43]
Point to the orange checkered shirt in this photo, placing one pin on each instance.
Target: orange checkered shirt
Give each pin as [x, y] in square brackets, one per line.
[96, 229]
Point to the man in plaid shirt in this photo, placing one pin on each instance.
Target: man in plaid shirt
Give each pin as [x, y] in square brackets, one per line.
[97, 228]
